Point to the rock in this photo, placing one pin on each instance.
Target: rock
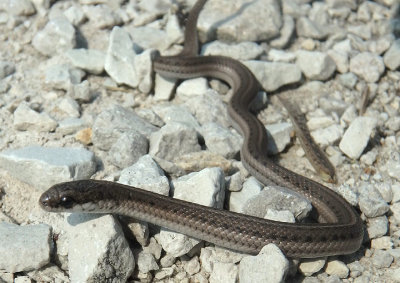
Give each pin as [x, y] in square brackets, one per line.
[21, 7]
[198, 160]
[224, 272]
[315, 65]
[265, 21]
[120, 58]
[220, 140]
[382, 259]
[146, 262]
[63, 76]
[66, 107]
[75, 15]
[349, 80]
[150, 116]
[147, 175]
[80, 91]
[270, 265]
[6, 68]
[341, 60]
[128, 149]
[147, 37]
[278, 137]
[90, 60]
[26, 119]
[177, 114]
[275, 74]
[192, 266]
[308, 28]
[102, 16]
[69, 126]
[101, 254]
[327, 136]
[391, 58]
[114, 122]
[24, 248]
[377, 227]
[368, 66]
[57, 36]
[356, 137]
[176, 244]
[286, 33]
[173, 140]
[337, 267]
[45, 166]
[192, 87]
[310, 266]
[280, 215]
[251, 188]
[164, 88]
[371, 202]
[382, 243]
[241, 51]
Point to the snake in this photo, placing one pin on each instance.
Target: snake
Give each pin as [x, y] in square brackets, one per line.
[336, 228]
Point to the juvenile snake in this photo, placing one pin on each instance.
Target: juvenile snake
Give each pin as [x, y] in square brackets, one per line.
[339, 230]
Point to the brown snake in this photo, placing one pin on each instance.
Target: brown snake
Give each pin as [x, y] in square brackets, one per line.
[339, 230]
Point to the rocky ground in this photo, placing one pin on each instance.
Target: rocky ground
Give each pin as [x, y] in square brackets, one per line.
[79, 99]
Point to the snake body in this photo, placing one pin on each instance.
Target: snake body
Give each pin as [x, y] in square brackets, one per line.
[339, 230]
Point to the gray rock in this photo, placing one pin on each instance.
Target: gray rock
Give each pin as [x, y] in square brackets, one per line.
[147, 37]
[338, 268]
[192, 87]
[277, 198]
[163, 88]
[381, 259]
[371, 202]
[277, 55]
[341, 60]
[252, 21]
[356, 137]
[143, 67]
[286, 33]
[24, 248]
[120, 58]
[70, 126]
[363, 31]
[4, 86]
[75, 15]
[392, 166]
[57, 36]
[241, 51]
[377, 227]
[80, 91]
[224, 272]
[6, 68]
[278, 137]
[90, 60]
[173, 140]
[275, 74]
[348, 80]
[220, 140]
[102, 16]
[46, 166]
[251, 188]
[20, 7]
[177, 114]
[128, 149]
[66, 107]
[310, 29]
[63, 76]
[315, 65]
[270, 265]
[327, 136]
[382, 243]
[176, 244]
[147, 175]
[392, 56]
[101, 254]
[310, 266]
[368, 66]
[150, 116]
[27, 119]
[280, 215]
[146, 262]
[112, 123]
[209, 108]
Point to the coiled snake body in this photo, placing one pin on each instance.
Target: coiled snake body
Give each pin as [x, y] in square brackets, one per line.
[339, 230]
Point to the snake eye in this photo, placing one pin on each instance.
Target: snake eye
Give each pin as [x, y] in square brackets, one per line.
[67, 202]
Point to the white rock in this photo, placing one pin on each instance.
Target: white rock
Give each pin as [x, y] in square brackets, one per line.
[175, 243]
[337, 267]
[192, 87]
[57, 36]
[341, 60]
[237, 200]
[101, 16]
[224, 272]
[315, 65]
[392, 56]
[63, 76]
[164, 87]
[241, 51]
[101, 254]
[270, 265]
[368, 66]
[27, 119]
[356, 137]
[90, 60]
[310, 266]
[327, 136]
[128, 149]
[24, 248]
[278, 137]
[146, 262]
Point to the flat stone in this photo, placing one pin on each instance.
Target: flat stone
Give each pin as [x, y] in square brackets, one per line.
[90, 60]
[63, 76]
[147, 175]
[368, 66]
[270, 265]
[45, 166]
[273, 75]
[257, 21]
[315, 65]
[26, 119]
[114, 122]
[241, 51]
[356, 137]
[24, 248]
[56, 37]
[101, 254]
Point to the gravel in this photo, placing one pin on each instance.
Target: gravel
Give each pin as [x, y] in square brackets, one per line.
[79, 99]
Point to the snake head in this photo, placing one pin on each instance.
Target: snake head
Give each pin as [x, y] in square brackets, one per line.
[58, 198]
